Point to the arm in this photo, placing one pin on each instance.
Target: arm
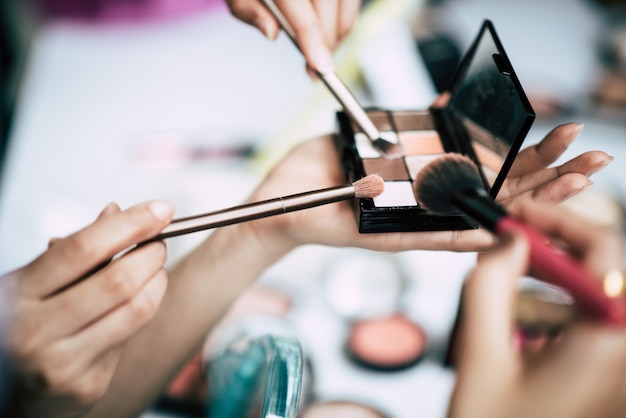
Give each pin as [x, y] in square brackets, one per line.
[206, 282]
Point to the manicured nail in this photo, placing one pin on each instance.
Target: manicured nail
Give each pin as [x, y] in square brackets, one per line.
[323, 60]
[267, 28]
[161, 209]
[580, 189]
[601, 165]
[579, 128]
[576, 130]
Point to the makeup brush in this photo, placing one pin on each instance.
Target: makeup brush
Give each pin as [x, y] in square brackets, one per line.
[341, 92]
[452, 183]
[369, 186]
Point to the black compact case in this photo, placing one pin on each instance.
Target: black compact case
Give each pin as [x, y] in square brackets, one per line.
[485, 115]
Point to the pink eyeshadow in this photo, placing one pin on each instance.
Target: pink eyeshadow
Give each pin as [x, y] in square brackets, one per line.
[421, 142]
[387, 169]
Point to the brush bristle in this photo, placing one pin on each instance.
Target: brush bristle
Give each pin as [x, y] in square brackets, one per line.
[440, 179]
[369, 186]
[389, 150]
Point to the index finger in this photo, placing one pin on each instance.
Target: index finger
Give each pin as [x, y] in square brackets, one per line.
[547, 151]
[79, 253]
[308, 31]
[489, 304]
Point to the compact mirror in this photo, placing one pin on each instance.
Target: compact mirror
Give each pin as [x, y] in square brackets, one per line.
[487, 99]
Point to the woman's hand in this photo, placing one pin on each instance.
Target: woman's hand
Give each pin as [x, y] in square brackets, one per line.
[72, 309]
[582, 374]
[314, 164]
[319, 25]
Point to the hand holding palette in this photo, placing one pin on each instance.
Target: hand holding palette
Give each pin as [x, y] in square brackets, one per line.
[484, 115]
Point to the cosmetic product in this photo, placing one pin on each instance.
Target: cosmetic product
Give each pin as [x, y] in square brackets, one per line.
[386, 145]
[368, 186]
[452, 184]
[366, 290]
[388, 343]
[256, 377]
[484, 114]
[341, 408]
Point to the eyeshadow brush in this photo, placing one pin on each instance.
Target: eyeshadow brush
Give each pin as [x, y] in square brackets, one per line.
[341, 92]
[452, 183]
[366, 187]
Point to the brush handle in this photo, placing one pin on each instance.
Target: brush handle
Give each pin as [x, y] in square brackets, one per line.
[555, 266]
[257, 210]
[332, 81]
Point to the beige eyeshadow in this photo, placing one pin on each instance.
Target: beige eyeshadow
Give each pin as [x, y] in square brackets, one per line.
[415, 163]
[412, 120]
[421, 142]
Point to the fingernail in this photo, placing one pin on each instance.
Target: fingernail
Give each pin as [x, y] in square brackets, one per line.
[601, 165]
[161, 209]
[323, 60]
[576, 130]
[311, 73]
[267, 29]
[580, 189]
[579, 128]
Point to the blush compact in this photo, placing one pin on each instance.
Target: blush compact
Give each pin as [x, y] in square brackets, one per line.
[485, 115]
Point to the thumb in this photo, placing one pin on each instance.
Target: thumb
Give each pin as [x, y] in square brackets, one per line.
[489, 304]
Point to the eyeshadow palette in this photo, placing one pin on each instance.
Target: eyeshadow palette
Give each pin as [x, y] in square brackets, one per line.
[485, 115]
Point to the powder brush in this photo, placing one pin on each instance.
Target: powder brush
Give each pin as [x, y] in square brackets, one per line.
[366, 187]
[350, 104]
[452, 183]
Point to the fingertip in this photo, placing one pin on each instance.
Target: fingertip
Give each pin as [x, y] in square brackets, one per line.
[53, 241]
[162, 209]
[109, 209]
[601, 161]
[321, 59]
[311, 73]
[268, 27]
[567, 132]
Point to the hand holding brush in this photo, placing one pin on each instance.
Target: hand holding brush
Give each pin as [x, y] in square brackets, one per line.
[452, 184]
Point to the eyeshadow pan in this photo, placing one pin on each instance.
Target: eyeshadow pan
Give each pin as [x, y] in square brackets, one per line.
[412, 120]
[387, 169]
[397, 193]
[379, 118]
[415, 163]
[421, 142]
[486, 109]
[364, 145]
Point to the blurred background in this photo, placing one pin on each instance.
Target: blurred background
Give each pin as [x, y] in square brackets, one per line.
[128, 100]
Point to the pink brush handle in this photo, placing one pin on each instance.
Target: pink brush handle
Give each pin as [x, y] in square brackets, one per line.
[555, 266]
